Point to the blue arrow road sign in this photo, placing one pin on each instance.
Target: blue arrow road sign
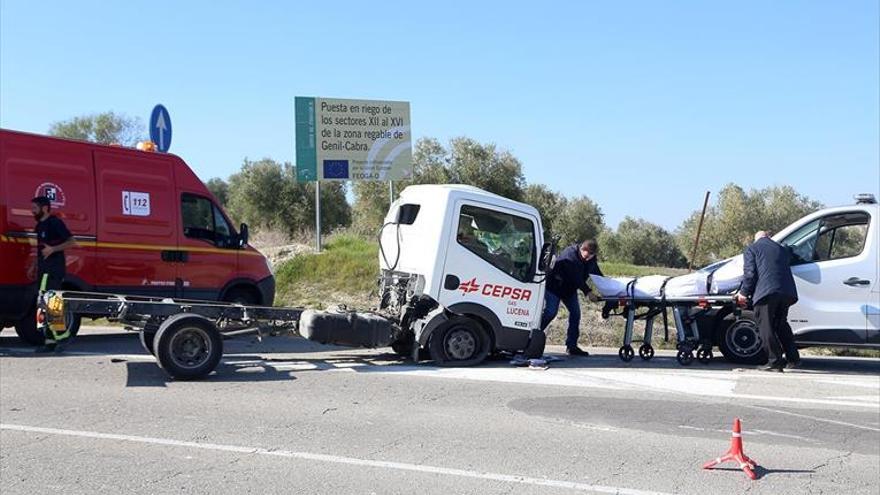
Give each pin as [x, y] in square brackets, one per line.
[160, 128]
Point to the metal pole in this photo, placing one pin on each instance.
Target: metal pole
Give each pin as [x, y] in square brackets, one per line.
[699, 231]
[390, 192]
[318, 216]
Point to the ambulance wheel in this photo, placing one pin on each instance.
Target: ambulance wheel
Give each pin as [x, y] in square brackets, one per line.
[27, 330]
[73, 323]
[460, 341]
[626, 353]
[188, 346]
[685, 357]
[704, 356]
[646, 352]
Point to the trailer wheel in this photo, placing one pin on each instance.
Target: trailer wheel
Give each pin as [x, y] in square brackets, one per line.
[147, 339]
[742, 342]
[459, 341]
[188, 346]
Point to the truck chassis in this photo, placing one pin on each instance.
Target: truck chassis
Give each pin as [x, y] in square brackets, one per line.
[185, 336]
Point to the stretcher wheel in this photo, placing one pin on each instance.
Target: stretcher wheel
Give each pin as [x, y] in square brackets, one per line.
[685, 357]
[626, 353]
[646, 352]
[704, 355]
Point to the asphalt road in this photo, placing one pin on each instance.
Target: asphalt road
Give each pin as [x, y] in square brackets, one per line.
[290, 416]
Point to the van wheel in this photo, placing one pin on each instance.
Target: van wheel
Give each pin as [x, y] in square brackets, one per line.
[242, 296]
[742, 343]
[73, 322]
[460, 341]
[27, 330]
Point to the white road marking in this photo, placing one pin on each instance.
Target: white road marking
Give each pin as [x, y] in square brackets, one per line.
[870, 382]
[875, 399]
[749, 433]
[814, 418]
[352, 461]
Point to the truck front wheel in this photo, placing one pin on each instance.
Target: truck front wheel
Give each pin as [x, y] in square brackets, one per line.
[460, 341]
[741, 342]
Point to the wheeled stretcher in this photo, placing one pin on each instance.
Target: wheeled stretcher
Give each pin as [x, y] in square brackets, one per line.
[625, 298]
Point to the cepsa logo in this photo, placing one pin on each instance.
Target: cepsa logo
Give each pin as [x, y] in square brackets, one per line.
[495, 290]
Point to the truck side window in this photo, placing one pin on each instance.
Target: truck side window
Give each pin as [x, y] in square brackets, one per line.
[221, 226]
[842, 236]
[837, 236]
[803, 241]
[506, 241]
[202, 220]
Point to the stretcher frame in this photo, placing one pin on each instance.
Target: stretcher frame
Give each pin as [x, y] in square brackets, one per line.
[685, 311]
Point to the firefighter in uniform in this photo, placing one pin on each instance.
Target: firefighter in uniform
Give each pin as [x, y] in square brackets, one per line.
[53, 238]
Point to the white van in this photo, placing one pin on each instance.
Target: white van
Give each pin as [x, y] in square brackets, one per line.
[838, 282]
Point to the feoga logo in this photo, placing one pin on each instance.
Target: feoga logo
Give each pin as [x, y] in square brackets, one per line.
[495, 290]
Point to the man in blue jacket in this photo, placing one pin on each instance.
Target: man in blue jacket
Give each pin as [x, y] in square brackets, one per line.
[767, 279]
[570, 273]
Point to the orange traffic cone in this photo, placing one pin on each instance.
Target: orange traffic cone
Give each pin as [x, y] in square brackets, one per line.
[735, 453]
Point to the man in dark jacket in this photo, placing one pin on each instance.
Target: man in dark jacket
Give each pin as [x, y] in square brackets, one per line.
[572, 269]
[767, 279]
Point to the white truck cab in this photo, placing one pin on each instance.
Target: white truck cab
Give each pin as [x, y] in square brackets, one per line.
[837, 274]
[464, 270]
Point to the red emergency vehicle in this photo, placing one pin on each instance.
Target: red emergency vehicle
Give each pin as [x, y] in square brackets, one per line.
[144, 222]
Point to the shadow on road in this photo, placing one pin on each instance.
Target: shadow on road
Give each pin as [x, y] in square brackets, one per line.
[761, 471]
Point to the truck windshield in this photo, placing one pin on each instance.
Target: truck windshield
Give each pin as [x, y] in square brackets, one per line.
[504, 240]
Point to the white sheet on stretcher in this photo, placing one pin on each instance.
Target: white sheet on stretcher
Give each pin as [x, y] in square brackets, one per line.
[725, 279]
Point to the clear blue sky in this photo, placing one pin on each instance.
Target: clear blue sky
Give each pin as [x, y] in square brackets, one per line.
[641, 106]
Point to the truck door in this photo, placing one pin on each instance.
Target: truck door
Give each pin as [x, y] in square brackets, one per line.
[491, 260]
[137, 224]
[207, 243]
[834, 273]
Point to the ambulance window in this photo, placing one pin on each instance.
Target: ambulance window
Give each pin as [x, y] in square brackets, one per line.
[506, 241]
